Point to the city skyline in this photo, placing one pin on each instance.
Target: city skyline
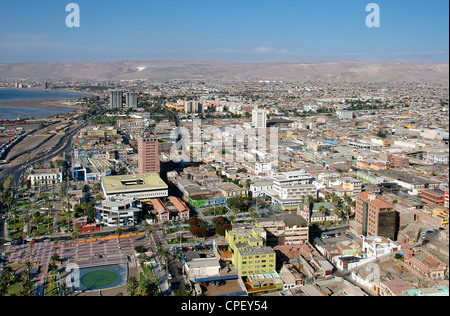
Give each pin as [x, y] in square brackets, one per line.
[250, 31]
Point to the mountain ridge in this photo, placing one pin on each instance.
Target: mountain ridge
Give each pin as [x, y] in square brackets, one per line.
[162, 70]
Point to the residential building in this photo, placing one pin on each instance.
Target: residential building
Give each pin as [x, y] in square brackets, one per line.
[250, 255]
[131, 100]
[436, 158]
[148, 153]
[375, 217]
[425, 264]
[286, 229]
[395, 161]
[116, 99]
[259, 118]
[250, 259]
[375, 246]
[432, 196]
[352, 185]
[317, 212]
[258, 284]
[344, 115]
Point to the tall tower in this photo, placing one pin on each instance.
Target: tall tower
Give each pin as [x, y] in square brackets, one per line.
[148, 153]
[131, 100]
[259, 118]
[116, 100]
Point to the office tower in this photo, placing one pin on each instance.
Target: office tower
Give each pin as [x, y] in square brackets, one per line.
[259, 118]
[131, 100]
[148, 153]
[116, 100]
[375, 217]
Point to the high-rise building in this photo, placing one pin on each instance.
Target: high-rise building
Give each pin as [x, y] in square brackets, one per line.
[116, 99]
[375, 217]
[193, 107]
[259, 118]
[148, 153]
[131, 100]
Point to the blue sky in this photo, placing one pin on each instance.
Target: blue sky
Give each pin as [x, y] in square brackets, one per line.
[238, 31]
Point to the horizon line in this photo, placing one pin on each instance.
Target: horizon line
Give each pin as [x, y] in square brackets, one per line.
[269, 61]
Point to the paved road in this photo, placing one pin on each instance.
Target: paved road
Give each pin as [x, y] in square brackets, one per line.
[16, 170]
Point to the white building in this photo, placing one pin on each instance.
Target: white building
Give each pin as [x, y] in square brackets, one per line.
[290, 188]
[45, 176]
[259, 118]
[436, 158]
[200, 268]
[374, 246]
[119, 208]
[258, 187]
[291, 178]
[344, 115]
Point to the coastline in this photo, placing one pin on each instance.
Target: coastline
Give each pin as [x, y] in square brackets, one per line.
[63, 103]
[44, 103]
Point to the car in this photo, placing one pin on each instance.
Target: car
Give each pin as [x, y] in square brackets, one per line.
[170, 276]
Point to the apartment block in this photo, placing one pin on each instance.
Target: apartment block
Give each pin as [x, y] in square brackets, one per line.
[250, 255]
[352, 185]
[395, 161]
[433, 197]
[287, 229]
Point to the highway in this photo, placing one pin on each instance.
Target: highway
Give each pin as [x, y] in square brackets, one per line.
[16, 170]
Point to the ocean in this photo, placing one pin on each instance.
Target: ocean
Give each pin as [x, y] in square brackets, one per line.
[13, 112]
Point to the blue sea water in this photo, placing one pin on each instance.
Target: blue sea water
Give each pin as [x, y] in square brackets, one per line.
[12, 112]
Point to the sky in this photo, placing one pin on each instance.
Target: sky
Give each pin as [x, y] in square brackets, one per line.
[232, 31]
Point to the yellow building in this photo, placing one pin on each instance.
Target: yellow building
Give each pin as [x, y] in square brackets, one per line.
[378, 166]
[352, 185]
[442, 215]
[362, 164]
[250, 255]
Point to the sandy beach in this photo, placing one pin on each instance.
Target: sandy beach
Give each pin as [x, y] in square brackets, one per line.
[50, 103]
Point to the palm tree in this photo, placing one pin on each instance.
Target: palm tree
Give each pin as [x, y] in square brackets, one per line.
[132, 286]
[118, 232]
[63, 289]
[323, 210]
[76, 234]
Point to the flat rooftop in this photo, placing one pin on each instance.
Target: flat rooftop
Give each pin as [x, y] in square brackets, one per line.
[134, 182]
